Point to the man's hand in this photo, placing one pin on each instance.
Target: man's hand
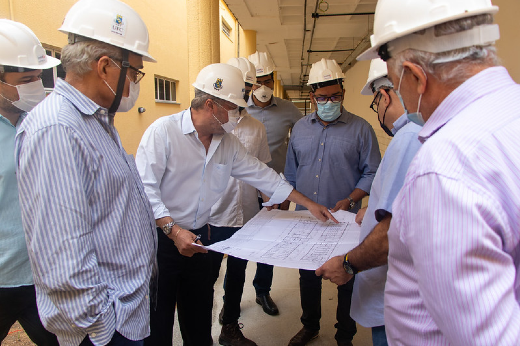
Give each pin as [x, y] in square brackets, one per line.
[344, 204]
[183, 240]
[360, 215]
[333, 270]
[321, 212]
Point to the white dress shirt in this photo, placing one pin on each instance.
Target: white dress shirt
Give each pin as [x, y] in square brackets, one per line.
[239, 203]
[183, 181]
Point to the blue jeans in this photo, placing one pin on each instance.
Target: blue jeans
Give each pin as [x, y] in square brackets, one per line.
[379, 336]
[117, 340]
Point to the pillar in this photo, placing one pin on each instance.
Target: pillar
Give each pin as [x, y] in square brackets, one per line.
[203, 36]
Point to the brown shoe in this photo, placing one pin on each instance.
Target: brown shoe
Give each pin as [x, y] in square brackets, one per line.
[303, 337]
[231, 335]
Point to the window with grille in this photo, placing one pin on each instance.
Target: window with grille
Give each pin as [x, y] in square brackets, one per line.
[50, 75]
[165, 90]
[226, 28]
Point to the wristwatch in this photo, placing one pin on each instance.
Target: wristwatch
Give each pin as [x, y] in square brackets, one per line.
[167, 228]
[352, 203]
[349, 268]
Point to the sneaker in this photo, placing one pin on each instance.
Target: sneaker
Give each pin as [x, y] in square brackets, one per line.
[231, 335]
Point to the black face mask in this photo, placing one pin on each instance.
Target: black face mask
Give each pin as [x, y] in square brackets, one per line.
[383, 126]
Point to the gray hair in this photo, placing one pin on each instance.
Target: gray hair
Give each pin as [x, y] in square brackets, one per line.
[77, 58]
[457, 69]
[200, 99]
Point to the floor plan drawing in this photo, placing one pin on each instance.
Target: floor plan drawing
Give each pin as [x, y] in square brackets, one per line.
[292, 239]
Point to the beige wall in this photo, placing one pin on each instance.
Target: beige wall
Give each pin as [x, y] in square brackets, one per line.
[228, 44]
[167, 24]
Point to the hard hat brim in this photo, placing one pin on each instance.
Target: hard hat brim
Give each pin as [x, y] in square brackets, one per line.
[372, 53]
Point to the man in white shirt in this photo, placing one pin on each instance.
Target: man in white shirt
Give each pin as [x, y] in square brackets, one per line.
[236, 207]
[185, 161]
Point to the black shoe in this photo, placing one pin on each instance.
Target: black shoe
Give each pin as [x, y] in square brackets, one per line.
[345, 343]
[231, 335]
[303, 337]
[268, 305]
[221, 316]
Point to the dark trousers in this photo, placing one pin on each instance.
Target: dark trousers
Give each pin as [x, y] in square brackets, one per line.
[310, 295]
[117, 340]
[183, 282]
[263, 279]
[235, 274]
[264, 273]
[19, 304]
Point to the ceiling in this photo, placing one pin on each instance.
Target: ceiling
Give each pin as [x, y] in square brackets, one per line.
[295, 38]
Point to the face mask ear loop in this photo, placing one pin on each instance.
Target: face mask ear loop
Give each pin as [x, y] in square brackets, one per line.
[120, 84]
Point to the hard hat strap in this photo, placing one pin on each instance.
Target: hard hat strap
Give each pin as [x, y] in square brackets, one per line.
[120, 83]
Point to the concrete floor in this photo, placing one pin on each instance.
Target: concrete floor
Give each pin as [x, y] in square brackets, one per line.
[268, 330]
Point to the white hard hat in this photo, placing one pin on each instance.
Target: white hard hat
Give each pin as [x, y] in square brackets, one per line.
[109, 21]
[223, 81]
[397, 19]
[376, 77]
[21, 47]
[263, 63]
[325, 70]
[247, 68]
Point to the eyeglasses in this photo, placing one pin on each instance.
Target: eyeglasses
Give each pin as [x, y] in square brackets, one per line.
[135, 73]
[324, 99]
[375, 102]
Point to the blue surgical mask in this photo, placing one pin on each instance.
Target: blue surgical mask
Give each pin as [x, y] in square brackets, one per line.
[415, 117]
[329, 111]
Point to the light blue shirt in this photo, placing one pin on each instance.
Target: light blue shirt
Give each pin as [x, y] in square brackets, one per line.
[184, 181]
[369, 286]
[90, 229]
[15, 268]
[278, 118]
[326, 163]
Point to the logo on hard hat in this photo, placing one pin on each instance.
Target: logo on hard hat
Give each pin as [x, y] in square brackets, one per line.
[327, 76]
[119, 25]
[259, 70]
[218, 84]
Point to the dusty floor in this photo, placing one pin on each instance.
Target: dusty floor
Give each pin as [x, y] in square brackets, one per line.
[17, 337]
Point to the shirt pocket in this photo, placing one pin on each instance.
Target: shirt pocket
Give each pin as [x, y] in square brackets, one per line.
[342, 152]
[220, 177]
[305, 148]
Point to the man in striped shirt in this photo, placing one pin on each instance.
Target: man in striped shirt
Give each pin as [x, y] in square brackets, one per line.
[454, 254]
[90, 229]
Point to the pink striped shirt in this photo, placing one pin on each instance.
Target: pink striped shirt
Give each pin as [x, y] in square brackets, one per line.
[454, 259]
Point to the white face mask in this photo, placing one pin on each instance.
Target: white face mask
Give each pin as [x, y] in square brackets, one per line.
[29, 95]
[263, 94]
[127, 103]
[233, 117]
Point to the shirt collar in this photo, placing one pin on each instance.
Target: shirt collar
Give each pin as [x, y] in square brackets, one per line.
[187, 123]
[400, 123]
[18, 122]
[488, 80]
[77, 98]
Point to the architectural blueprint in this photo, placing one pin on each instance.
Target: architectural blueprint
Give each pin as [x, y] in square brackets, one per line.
[292, 239]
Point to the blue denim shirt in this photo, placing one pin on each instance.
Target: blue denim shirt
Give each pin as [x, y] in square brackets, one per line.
[326, 163]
